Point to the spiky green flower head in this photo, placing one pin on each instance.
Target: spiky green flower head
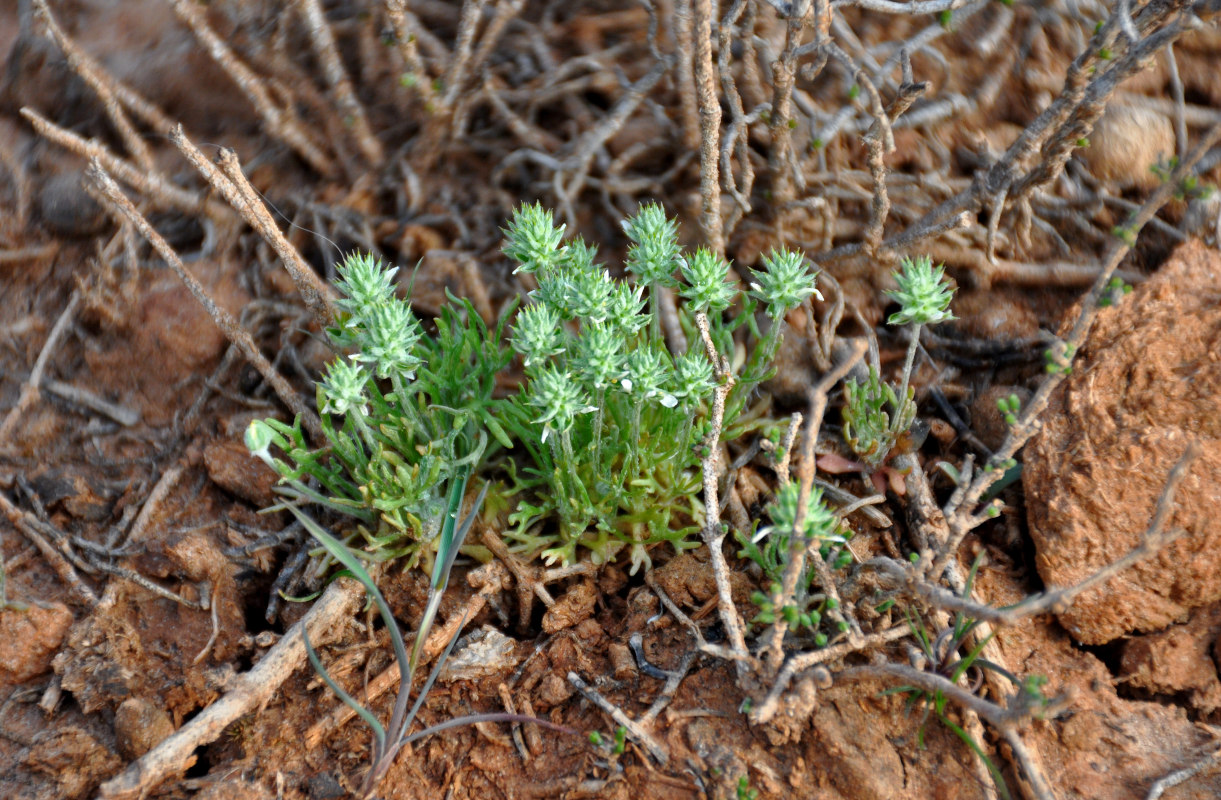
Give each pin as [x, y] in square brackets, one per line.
[647, 375]
[653, 256]
[599, 359]
[785, 284]
[343, 388]
[579, 255]
[708, 288]
[693, 377]
[534, 240]
[555, 292]
[561, 400]
[365, 283]
[389, 338]
[820, 522]
[537, 336]
[589, 293]
[574, 288]
[923, 295]
[626, 309]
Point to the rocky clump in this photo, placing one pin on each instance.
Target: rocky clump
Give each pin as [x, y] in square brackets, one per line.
[1146, 384]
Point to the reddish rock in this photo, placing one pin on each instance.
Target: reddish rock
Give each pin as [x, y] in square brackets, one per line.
[1177, 661]
[29, 640]
[232, 468]
[1145, 385]
[139, 726]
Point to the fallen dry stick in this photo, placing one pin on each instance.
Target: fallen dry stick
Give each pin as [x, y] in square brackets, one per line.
[250, 690]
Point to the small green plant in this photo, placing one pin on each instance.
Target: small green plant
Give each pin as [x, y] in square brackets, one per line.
[617, 746]
[1009, 407]
[941, 655]
[608, 416]
[1115, 290]
[603, 429]
[414, 415]
[875, 415]
[744, 790]
[771, 549]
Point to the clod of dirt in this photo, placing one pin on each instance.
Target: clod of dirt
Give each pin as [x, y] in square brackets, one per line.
[859, 760]
[29, 640]
[1177, 660]
[73, 758]
[232, 468]
[688, 580]
[796, 706]
[716, 752]
[1145, 385]
[78, 492]
[228, 789]
[575, 606]
[1126, 143]
[139, 726]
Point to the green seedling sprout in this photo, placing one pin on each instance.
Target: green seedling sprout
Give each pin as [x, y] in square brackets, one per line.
[1009, 407]
[771, 549]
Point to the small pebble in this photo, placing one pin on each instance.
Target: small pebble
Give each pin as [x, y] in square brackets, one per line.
[139, 726]
[66, 208]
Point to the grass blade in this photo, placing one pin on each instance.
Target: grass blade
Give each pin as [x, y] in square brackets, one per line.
[365, 714]
[340, 552]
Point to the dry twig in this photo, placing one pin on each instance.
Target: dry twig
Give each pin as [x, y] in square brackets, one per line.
[249, 691]
[122, 209]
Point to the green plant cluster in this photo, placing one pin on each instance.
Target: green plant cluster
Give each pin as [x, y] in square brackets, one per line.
[771, 549]
[406, 416]
[609, 416]
[875, 414]
[600, 444]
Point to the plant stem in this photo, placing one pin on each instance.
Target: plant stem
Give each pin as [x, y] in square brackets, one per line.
[366, 432]
[408, 408]
[655, 313]
[599, 400]
[559, 482]
[907, 371]
[634, 442]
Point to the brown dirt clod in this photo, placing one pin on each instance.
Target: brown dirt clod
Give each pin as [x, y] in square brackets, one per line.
[29, 640]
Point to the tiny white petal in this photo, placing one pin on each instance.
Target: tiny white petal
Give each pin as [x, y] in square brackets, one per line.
[669, 400]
